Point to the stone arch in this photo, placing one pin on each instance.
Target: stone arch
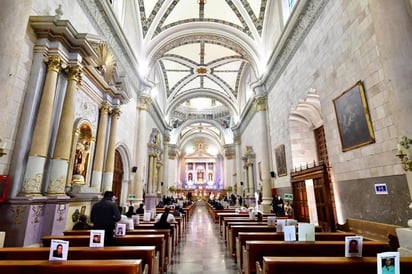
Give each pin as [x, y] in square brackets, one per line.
[303, 120]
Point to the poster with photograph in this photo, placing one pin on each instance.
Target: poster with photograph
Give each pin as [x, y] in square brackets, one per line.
[58, 250]
[388, 263]
[120, 229]
[96, 238]
[289, 232]
[306, 232]
[353, 246]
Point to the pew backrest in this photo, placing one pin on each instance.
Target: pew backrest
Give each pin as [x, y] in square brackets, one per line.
[72, 266]
[335, 265]
[255, 250]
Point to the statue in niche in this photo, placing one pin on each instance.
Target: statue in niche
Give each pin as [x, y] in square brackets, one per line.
[81, 161]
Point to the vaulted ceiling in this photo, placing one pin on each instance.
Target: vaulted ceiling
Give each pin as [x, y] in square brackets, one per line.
[203, 55]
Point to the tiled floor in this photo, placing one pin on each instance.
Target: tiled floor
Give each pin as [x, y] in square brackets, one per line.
[201, 249]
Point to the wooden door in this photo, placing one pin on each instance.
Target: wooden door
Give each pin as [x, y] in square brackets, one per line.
[117, 176]
[300, 201]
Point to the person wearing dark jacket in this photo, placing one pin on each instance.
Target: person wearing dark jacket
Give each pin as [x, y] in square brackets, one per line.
[104, 216]
[82, 223]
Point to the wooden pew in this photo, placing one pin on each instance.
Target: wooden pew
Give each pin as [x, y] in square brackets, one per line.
[73, 266]
[335, 265]
[233, 231]
[166, 232]
[146, 253]
[128, 240]
[255, 250]
[242, 237]
[372, 230]
[150, 225]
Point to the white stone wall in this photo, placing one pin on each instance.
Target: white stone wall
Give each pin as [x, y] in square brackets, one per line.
[127, 129]
[339, 50]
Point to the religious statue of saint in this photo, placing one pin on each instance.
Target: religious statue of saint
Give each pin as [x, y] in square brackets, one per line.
[81, 160]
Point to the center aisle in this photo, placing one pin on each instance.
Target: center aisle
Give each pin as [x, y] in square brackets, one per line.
[201, 249]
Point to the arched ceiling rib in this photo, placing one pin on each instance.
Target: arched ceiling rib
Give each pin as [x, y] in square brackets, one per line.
[201, 49]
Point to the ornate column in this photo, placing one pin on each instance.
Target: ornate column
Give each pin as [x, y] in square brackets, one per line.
[159, 175]
[141, 154]
[41, 136]
[99, 151]
[229, 166]
[150, 182]
[61, 155]
[109, 168]
[263, 147]
[173, 172]
[165, 176]
[238, 162]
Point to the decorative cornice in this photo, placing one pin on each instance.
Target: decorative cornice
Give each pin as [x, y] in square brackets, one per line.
[113, 36]
[299, 25]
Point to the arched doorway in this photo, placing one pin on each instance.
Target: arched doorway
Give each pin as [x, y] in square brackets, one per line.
[117, 175]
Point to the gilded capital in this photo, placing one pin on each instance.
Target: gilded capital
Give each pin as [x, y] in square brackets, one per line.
[54, 63]
[261, 103]
[105, 108]
[75, 74]
[144, 102]
[116, 113]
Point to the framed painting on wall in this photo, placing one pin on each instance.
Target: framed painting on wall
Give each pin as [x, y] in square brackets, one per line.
[354, 122]
[281, 160]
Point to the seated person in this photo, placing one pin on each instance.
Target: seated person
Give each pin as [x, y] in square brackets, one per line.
[82, 224]
[130, 212]
[164, 219]
[140, 210]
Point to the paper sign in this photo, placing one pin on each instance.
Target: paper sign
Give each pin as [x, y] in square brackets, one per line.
[280, 224]
[58, 250]
[353, 246]
[289, 232]
[306, 232]
[147, 216]
[96, 238]
[388, 262]
[272, 221]
[120, 229]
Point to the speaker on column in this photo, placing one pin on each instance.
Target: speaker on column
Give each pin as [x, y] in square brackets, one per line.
[134, 169]
[272, 174]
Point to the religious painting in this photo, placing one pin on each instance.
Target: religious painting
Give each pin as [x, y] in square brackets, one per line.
[280, 157]
[354, 122]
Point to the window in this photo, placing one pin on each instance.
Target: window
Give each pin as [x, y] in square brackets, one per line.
[287, 8]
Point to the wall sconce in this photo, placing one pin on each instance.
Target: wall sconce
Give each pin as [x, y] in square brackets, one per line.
[2, 148]
[403, 146]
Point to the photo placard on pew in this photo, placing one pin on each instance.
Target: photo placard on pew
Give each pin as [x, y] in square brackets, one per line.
[388, 262]
[120, 229]
[58, 250]
[96, 238]
[280, 224]
[289, 233]
[353, 246]
[306, 232]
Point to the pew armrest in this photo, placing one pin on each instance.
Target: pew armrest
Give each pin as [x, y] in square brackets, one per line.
[259, 270]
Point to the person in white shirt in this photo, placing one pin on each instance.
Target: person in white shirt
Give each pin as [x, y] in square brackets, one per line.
[170, 218]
